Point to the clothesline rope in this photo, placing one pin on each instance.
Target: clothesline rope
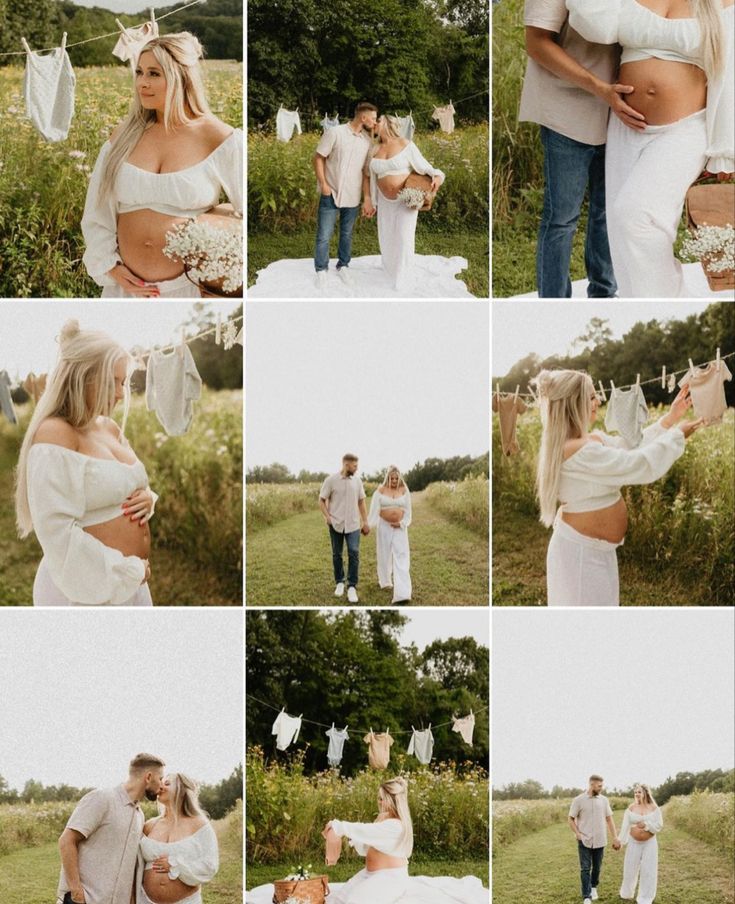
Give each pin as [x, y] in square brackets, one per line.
[359, 730]
[190, 339]
[454, 102]
[673, 373]
[110, 34]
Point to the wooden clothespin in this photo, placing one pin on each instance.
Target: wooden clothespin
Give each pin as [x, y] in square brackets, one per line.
[663, 377]
[691, 364]
[25, 45]
[218, 330]
[612, 385]
[153, 16]
[497, 390]
[602, 390]
[120, 26]
[515, 396]
[182, 345]
[718, 360]
[63, 42]
[637, 380]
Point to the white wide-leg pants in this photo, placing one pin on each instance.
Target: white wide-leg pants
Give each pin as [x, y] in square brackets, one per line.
[394, 560]
[196, 898]
[179, 287]
[641, 860]
[647, 175]
[46, 593]
[397, 239]
[580, 571]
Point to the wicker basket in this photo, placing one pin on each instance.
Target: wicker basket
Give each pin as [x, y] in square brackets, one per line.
[309, 891]
[712, 205]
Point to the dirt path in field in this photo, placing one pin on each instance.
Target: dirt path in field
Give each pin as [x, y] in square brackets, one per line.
[290, 563]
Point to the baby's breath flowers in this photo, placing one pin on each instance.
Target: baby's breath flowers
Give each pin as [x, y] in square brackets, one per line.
[412, 197]
[212, 256]
[714, 246]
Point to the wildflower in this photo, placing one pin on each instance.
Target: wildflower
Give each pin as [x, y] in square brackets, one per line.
[77, 155]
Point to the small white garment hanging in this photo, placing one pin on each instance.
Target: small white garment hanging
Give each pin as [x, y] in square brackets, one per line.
[286, 729]
[422, 745]
[286, 122]
[337, 738]
[465, 727]
[48, 86]
[408, 126]
[328, 123]
[132, 40]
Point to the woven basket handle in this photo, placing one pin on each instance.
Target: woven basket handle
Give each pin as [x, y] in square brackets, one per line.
[325, 883]
[706, 176]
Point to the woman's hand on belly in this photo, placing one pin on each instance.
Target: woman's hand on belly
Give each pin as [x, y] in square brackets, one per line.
[141, 237]
[640, 834]
[123, 534]
[139, 506]
[160, 888]
[131, 283]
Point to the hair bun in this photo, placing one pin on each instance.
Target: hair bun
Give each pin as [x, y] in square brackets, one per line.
[70, 330]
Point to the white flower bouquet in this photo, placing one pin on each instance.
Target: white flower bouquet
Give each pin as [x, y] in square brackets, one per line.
[212, 255]
[714, 247]
[412, 197]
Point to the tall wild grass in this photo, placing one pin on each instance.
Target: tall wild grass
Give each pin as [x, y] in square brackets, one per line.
[705, 815]
[466, 502]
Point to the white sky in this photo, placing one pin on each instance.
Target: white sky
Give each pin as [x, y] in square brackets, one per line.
[634, 694]
[428, 625]
[548, 327]
[84, 691]
[393, 382]
[28, 329]
[125, 6]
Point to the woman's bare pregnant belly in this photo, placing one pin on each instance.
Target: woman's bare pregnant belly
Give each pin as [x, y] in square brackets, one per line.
[125, 535]
[162, 890]
[391, 185]
[141, 236]
[664, 91]
[392, 515]
[378, 860]
[640, 834]
[608, 524]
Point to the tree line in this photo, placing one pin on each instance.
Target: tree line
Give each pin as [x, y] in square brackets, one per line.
[643, 350]
[402, 55]
[349, 668]
[217, 24]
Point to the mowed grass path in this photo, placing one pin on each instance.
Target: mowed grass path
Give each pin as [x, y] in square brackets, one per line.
[30, 876]
[545, 868]
[290, 563]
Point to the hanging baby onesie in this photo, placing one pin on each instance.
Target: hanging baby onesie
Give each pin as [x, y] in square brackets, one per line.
[378, 749]
[172, 385]
[34, 385]
[6, 400]
[337, 740]
[286, 729]
[132, 41]
[408, 126]
[465, 726]
[627, 413]
[508, 408]
[422, 745]
[328, 123]
[48, 87]
[445, 117]
[286, 122]
[707, 388]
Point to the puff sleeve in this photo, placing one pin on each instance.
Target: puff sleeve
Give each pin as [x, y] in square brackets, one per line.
[229, 166]
[650, 433]
[616, 467]
[653, 822]
[596, 20]
[99, 226]
[198, 862]
[383, 836]
[420, 164]
[406, 519]
[83, 568]
[721, 105]
[374, 513]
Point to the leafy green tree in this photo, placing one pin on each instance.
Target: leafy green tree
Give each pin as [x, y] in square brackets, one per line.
[219, 799]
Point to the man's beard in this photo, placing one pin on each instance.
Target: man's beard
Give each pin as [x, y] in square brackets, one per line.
[596, 793]
[150, 794]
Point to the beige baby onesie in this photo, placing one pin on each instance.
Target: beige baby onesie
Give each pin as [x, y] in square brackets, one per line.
[508, 408]
[707, 388]
[378, 749]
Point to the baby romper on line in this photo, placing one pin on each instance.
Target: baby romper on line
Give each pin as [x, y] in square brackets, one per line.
[48, 87]
[286, 122]
[286, 729]
[133, 40]
[337, 738]
[465, 726]
[378, 749]
[627, 413]
[422, 745]
[172, 385]
[408, 126]
[508, 408]
[707, 388]
[445, 117]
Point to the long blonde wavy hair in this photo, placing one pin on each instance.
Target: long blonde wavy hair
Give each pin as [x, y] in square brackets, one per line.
[565, 397]
[178, 55]
[393, 797]
[80, 389]
[185, 798]
[708, 14]
[647, 796]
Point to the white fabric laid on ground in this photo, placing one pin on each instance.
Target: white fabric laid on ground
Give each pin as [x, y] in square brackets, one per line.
[294, 278]
[422, 745]
[48, 86]
[286, 122]
[286, 729]
[172, 386]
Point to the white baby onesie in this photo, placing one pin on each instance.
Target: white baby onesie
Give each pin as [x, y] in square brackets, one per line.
[337, 740]
[286, 729]
[422, 745]
[408, 126]
[627, 413]
[48, 86]
[132, 41]
[328, 123]
[286, 122]
[465, 726]
[172, 385]
[445, 117]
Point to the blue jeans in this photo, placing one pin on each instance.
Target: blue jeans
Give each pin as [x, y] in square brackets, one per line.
[590, 864]
[353, 555]
[325, 223]
[570, 169]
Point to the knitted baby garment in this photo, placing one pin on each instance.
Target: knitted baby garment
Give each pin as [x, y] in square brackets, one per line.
[172, 385]
[48, 87]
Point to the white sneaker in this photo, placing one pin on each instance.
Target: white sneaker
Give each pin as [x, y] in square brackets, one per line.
[587, 901]
[345, 275]
[352, 595]
[595, 896]
[320, 280]
[339, 590]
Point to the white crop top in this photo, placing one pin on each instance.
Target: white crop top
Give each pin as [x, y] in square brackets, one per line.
[384, 836]
[591, 478]
[193, 860]
[380, 501]
[184, 193]
[653, 822]
[392, 502]
[409, 160]
[68, 491]
[644, 34]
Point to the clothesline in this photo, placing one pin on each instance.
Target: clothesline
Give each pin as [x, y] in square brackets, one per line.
[461, 100]
[109, 34]
[358, 730]
[189, 340]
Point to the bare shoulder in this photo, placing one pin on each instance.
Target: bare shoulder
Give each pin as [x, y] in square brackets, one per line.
[572, 446]
[197, 822]
[213, 131]
[109, 426]
[405, 143]
[57, 432]
[727, 4]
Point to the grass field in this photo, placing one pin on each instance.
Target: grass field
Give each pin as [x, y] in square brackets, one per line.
[43, 184]
[290, 563]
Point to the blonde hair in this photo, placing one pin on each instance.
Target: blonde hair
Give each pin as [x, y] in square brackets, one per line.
[393, 469]
[565, 414]
[392, 125]
[394, 797]
[178, 56]
[87, 359]
[184, 792]
[647, 796]
[709, 17]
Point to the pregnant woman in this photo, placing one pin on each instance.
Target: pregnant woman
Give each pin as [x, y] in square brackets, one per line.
[641, 823]
[390, 513]
[179, 847]
[80, 486]
[167, 162]
[678, 57]
[585, 471]
[390, 165]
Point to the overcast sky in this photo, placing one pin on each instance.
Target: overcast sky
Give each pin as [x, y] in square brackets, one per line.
[83, 691]
[393, 382]
[548, 327]
[427, 625]
[634, 694]
[28, 329]
[128, 6]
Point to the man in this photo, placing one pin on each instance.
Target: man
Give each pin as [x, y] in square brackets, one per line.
[339, 164]
[99, 846]
[589, 818]
[568, 91]
[342, 503]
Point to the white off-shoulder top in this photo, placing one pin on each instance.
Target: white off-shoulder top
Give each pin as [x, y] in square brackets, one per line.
[68, 491]
[409, 160]
[643, 33]
[384, 836]
[591, 478]
[653, 821]
[184, 193]
[193, 860]
[380, 501]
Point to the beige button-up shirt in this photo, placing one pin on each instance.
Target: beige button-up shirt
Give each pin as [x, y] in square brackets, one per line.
[346, 154]
[112, 825]
[343, 495]
[590, 814]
